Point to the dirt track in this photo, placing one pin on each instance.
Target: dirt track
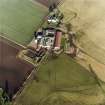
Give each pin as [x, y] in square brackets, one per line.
[11, 68]
[97, 67]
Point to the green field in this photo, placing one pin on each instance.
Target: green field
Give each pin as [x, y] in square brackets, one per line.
[62, 82]
[19, 19]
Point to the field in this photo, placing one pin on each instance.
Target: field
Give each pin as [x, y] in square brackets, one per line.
[87, 18]
[20, 18]
[11, 68]
[62, 82]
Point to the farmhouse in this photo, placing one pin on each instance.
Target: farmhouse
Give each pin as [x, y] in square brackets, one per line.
[53, 19]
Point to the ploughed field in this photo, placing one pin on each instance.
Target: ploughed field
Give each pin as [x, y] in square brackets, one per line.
[12, 69]
[20, 18]
[87, 18]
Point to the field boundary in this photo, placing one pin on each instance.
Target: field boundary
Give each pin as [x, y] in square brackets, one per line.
[9, 41]
[38, 3]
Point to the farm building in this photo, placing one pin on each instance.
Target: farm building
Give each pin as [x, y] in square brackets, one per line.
[55, 17]
[49, 31]
[58, 38]
[51, 38]
[46, 37]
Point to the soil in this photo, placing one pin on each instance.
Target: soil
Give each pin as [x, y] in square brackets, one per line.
[12, 69]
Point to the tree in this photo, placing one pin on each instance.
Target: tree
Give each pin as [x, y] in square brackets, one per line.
[50, 8]
[61, 16]
[69, 27]
[2, 100]
[6, 87]
[54, 5]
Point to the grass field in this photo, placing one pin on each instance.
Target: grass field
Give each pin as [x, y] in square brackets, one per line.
[62, 82]
[19, 19]
[89, 21]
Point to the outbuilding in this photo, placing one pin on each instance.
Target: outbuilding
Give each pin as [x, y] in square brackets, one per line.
[58, 39]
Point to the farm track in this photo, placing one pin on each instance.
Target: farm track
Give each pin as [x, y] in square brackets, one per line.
[98, 67]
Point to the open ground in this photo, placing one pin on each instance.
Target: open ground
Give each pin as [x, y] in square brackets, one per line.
[88, 23]
[62, 82]
[87, 18]
[12, 69]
